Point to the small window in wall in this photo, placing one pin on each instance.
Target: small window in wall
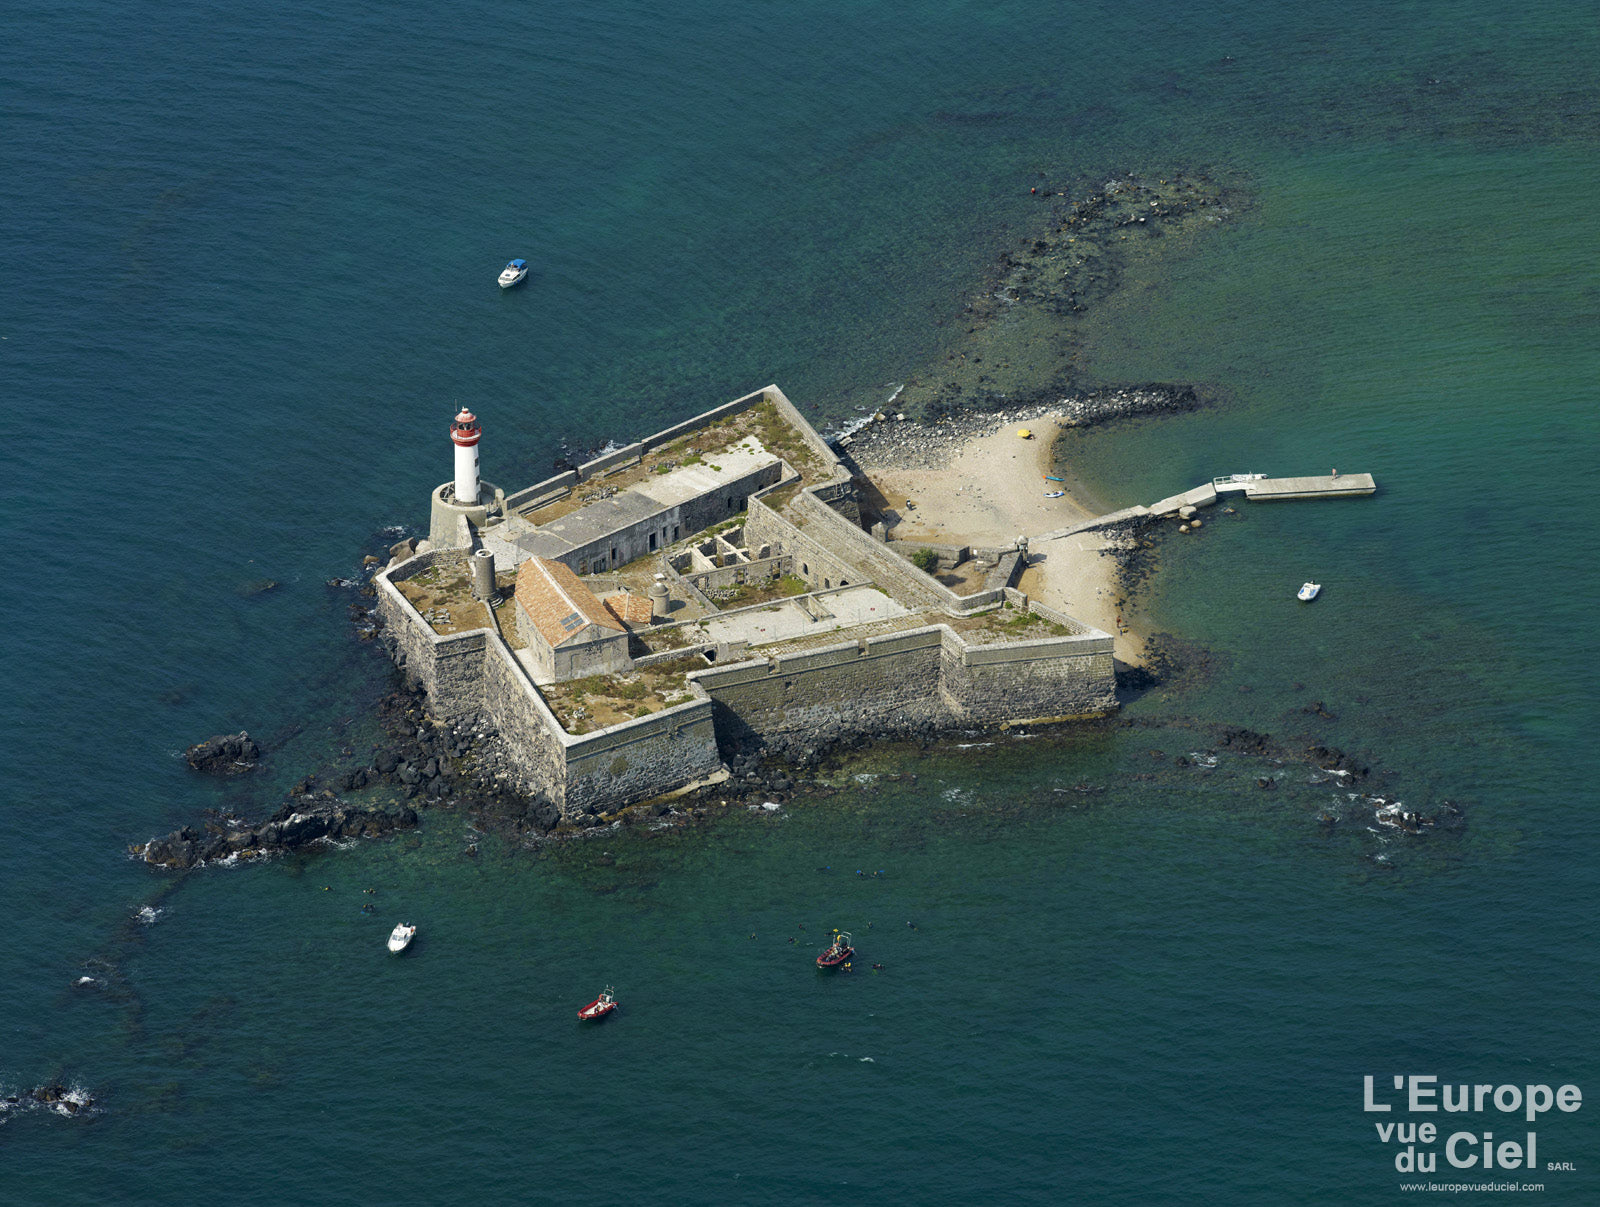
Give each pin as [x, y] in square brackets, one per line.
[844, 582]
[827, 582]
[583, 567]
[805, 570]
[613, 557]
[674, 532]
[652, 542]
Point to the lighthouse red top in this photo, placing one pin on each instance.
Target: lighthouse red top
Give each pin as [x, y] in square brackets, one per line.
[466, 430]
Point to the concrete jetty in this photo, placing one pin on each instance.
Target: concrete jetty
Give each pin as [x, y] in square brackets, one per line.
[1324, 487]
[1251, 486]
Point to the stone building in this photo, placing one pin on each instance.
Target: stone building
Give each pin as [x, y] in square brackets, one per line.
[773, 619]
[568, 632]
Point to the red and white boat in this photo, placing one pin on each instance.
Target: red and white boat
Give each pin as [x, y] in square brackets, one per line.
[840, 954]
[600, 1007]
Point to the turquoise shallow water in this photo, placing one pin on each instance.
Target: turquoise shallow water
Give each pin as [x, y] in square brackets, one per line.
[249, 276]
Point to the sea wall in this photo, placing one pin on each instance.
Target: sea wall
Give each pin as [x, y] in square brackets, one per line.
[904, 682]
[558, 485]
[477, 673]
[877, 685]
[529, 730]
[639, 759]
[1050, 679]
[447, 666]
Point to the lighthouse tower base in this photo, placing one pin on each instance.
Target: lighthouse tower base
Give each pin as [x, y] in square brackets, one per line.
[452, 520]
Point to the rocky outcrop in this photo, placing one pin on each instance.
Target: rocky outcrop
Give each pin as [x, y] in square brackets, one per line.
[228, 754]
[64, 1100]
[893, 440]
[305, 820]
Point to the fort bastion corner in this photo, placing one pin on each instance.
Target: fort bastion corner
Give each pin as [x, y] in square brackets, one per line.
[627, 625]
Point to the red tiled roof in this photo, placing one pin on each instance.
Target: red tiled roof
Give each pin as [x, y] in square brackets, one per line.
[632, 610]
[559, 605]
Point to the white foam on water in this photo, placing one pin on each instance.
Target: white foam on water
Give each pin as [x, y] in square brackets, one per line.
[148, 914]
[78, 1097]
[853, 426]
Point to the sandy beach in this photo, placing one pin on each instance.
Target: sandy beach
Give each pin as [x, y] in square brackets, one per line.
[991, 489]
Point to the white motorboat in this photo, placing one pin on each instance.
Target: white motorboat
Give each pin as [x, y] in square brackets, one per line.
[400, 937]
[512, 273]
[1309, 592]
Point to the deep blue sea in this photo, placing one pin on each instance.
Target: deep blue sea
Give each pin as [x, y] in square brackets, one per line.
[247, 262]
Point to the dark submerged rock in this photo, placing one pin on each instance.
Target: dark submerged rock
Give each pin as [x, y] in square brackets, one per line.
[296, 824]
[226, 754]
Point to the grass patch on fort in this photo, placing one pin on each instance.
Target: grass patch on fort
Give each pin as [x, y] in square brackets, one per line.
[776, 433]
[1015, 621]
[596, 701]
[758, 591]
[699, 447]
[443, 596]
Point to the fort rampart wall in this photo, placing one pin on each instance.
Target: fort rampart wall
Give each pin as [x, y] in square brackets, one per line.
[641, 758]
[930, 677]
[903, 682]
[476, 674]
[558, 485]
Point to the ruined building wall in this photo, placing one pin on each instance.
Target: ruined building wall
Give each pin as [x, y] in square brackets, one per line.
[812, 561]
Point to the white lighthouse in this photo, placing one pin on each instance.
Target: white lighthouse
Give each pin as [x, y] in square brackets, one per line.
[465, 432]
[468, 503]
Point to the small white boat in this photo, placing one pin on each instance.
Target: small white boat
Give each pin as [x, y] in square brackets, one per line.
[1309, 592]
[1054, 494]
[400, 937]
[512, 273]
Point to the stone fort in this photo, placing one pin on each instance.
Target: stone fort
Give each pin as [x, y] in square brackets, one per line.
[628, 624]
